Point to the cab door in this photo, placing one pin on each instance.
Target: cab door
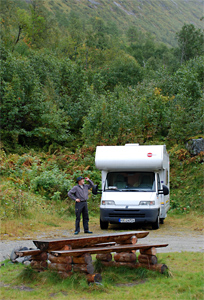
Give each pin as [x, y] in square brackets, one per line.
[160, 198]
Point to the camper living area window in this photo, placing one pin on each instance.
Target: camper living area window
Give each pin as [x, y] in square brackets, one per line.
[130, 181]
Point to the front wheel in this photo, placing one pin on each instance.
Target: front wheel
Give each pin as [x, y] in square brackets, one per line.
[155, 225]
[161, 221]
[103, 225]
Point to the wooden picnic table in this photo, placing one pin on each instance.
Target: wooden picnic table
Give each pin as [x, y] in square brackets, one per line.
[88, 241]
[74, 254]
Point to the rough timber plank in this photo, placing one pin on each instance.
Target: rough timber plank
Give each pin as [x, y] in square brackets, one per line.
[28, 252]
[119, 248]
[81, 242]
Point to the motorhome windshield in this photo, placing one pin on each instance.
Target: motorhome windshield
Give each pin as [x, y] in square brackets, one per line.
[130, 181]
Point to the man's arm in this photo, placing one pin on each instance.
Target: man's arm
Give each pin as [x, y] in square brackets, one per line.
[71, 194]
[91, 184]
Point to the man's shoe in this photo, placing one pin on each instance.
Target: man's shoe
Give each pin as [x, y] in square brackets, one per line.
[76, 232]
[88, 231]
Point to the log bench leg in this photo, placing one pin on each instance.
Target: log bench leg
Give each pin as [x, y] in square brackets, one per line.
[39, 265]
[159, 267]
[85, 268]
[62, 265]
[83, 264]
[40, 257]
[94, 278]
[104, 256]
[147, 259]
[39, 261]
[125, 257]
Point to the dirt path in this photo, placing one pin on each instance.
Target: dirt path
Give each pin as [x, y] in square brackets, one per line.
[181, 240]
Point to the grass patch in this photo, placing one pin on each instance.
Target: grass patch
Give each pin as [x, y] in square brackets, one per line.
[185, 282]
[192, 220]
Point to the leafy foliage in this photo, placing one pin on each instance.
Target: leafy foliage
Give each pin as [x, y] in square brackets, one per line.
[69, 83]
[187, 181]
[190, 41]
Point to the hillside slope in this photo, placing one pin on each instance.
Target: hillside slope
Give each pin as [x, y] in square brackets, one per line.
[162, 18]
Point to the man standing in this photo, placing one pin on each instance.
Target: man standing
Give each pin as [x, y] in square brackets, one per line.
[79, 193]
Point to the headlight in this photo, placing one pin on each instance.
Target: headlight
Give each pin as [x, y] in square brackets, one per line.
[108, 202]
[147, 203]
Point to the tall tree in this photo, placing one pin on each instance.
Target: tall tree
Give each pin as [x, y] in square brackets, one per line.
[190, 42]
[7, 21]
[43, 28]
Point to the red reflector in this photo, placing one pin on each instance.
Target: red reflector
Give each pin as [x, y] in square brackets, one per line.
[149, 154]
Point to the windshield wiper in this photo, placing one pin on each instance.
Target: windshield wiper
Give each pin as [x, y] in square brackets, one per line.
[134, 190]
[130, 190]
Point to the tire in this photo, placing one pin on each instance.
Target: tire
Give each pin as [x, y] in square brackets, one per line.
[103, 225]
[161, 221]
[155, 225]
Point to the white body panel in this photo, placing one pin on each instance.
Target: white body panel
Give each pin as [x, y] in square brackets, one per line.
[131, 158]
[133, 198]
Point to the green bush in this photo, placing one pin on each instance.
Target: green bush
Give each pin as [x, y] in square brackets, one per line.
[50, 183]
[186, 181]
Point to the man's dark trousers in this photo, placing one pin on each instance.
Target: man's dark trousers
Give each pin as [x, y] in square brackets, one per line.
[81, 207]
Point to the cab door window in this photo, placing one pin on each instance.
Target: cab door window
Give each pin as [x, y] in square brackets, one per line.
[158, 182]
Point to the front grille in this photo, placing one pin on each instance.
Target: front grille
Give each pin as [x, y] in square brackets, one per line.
[127, 214]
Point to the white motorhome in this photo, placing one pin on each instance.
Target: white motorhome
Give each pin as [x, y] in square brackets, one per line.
[135, 184]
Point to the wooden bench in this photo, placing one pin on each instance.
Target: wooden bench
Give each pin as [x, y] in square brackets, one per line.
[115, 248]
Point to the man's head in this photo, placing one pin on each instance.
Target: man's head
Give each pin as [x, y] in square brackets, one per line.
[80, 180]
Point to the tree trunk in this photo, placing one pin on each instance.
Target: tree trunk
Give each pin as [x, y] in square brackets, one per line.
[40, 257]
[132, 240]
[149, 259]
[104, 256]
[60, 260]
[151, 251]
[22, 253]
[94, 277]
[60, 267]
[67, 247]
[18, 37]
[36, 264]
[84, 259]
[118, 264]
[159, 267]
[125, 257]
[84, 268]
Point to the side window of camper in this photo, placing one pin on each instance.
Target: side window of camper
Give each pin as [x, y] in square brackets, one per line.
[167, 176]
[158, 182]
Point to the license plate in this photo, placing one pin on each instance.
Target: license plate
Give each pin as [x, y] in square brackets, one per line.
[127, 220]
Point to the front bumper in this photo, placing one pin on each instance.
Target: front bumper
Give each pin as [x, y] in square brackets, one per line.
[116, 215]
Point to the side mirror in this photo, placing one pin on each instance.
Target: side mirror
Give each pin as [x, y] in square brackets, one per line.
[95, 190]
[164, 191]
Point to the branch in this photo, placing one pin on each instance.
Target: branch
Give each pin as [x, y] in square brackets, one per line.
[18, 37]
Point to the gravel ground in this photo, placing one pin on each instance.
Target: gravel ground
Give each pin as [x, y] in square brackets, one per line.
[182, 240]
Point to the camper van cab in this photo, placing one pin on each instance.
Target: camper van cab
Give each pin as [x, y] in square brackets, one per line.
[135, 184]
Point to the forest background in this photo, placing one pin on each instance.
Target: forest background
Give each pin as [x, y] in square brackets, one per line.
[72, 80]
